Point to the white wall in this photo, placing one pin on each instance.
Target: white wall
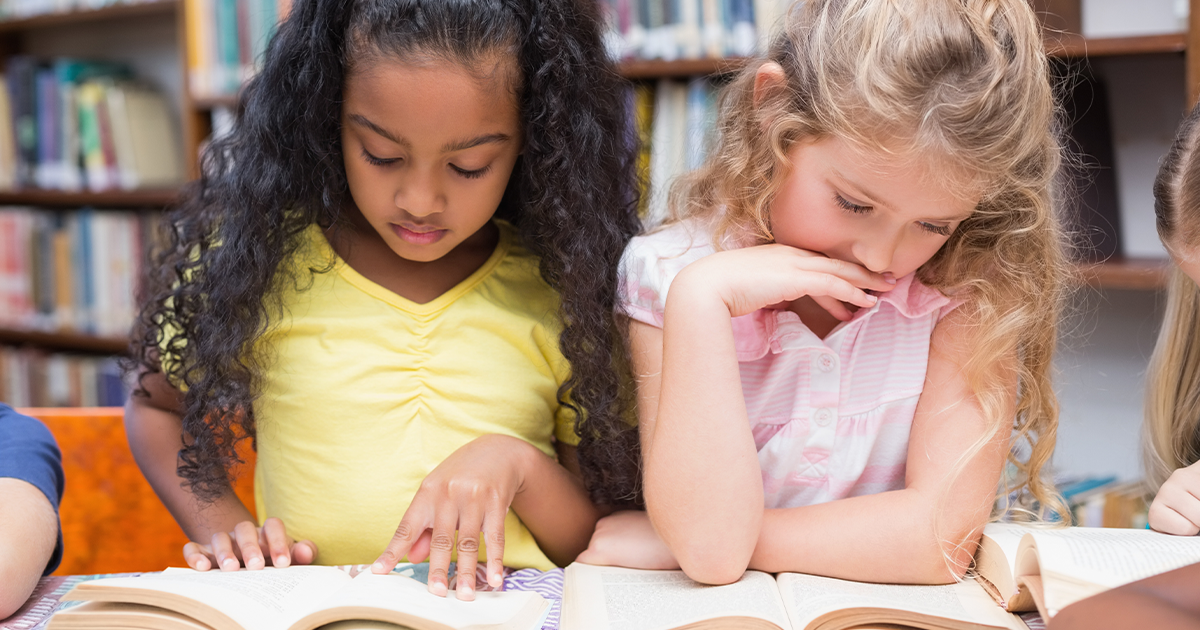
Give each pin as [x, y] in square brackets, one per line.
[1104, 346]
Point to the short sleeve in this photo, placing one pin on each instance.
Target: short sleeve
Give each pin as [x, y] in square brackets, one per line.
[649, 265]
[564, 426]
[28, 452]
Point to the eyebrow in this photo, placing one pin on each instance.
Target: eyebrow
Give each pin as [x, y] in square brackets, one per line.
[875, 200]
[449, 147]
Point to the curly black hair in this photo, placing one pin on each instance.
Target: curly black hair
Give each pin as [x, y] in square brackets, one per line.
[214, 287]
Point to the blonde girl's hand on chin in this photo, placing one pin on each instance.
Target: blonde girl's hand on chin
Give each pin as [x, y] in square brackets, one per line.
[748, 279]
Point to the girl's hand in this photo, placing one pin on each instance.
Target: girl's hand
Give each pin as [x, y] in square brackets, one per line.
[1176, 508]
[757, 277]
[251, 546]
[470, 492]
[627, 539]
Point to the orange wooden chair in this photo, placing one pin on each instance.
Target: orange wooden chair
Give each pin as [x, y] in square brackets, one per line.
[111, 519]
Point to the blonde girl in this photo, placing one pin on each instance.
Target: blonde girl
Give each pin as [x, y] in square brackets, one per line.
[863, 285]
[1172, 431]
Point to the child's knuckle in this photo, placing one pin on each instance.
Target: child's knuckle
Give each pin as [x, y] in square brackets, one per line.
[441, 541]
[468, 544]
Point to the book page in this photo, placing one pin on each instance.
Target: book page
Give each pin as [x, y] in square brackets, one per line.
[1111, 557]
[1007, 537]
[267, 599]
[411, 600]
[609, 598]
[809, 597]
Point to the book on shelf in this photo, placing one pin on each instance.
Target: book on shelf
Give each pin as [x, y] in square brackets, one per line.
[1026, 568]
[72, 271]
[596, 598]
[295, 598]
[226, 41]
[80, 124]
[682, 121]
[689, 29]
[33, 378]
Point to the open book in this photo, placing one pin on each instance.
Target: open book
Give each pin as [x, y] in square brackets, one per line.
[609, 598]
[295, 598]
[1024, 568]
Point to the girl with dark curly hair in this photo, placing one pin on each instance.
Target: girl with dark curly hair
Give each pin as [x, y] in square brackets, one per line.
[397, 277]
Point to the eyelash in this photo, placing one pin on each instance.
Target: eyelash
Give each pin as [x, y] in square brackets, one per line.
[475, 174]
[852, 207]
[371, 159]
[940, 230]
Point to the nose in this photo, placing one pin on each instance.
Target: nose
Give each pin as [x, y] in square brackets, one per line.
[419, 194]
[875, 251]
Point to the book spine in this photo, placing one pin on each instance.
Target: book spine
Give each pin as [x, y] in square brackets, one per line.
[227, 45]
[107, 143]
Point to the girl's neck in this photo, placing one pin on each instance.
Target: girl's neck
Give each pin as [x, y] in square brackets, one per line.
[357, 243]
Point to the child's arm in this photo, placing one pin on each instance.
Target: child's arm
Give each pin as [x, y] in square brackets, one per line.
[471, 491]
[223, 532]
[703, 484]
[1176, 507]
[927, 532]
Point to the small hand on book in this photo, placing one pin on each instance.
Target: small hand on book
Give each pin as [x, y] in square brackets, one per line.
[250, 546]
[469, 493]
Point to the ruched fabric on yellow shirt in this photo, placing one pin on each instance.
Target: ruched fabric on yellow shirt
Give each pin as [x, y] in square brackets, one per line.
[368, 392]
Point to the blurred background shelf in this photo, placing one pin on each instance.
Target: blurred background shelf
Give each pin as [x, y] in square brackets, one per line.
[110, 199]
[84, 16]
[71, 341]
[1148, 274]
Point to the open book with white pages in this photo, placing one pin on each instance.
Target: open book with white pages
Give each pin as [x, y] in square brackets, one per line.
[1026, 568]
[608, 598]
[295, 598]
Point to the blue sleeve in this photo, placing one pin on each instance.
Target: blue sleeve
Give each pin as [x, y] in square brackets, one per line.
[28, 452]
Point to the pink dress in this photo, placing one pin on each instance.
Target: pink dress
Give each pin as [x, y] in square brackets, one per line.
[830, 417]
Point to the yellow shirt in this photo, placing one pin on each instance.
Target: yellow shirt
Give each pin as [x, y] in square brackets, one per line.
[367, 392]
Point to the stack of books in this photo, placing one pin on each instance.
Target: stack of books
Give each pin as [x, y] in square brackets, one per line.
[71, 271]
[72, 124]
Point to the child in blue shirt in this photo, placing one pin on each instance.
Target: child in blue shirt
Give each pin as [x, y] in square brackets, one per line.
[31, 486]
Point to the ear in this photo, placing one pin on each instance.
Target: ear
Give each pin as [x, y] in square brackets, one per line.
[768, 80]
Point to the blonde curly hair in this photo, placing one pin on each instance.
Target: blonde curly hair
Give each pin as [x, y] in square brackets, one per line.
[965, 83]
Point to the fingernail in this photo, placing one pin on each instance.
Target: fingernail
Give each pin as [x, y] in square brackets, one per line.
[466, 592]
[889, 278]
[256, 563]
[437, 588]
[495, 579]
[229, 564]
[872, 299]
[378, 568]
[203, 565]
[282, 561]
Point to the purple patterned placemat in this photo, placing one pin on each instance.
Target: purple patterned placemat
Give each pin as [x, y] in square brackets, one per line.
[548, 584]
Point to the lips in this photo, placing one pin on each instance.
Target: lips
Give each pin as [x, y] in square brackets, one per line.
[418, 234]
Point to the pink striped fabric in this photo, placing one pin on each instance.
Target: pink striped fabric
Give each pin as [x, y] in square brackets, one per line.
[830, 417]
